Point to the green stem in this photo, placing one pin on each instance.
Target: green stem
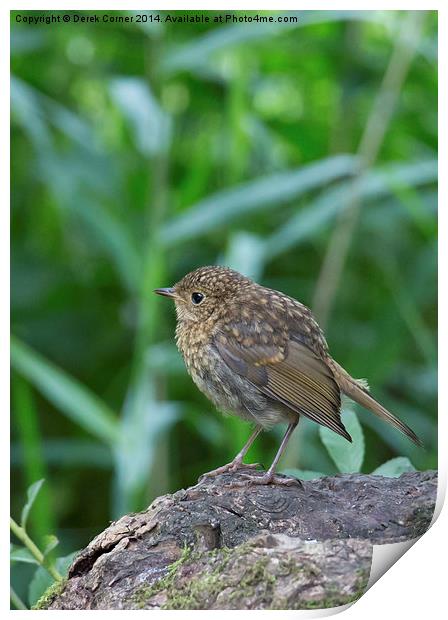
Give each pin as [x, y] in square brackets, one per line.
[368, 150]
[238, 141]
[21, 534]
[142, 392]
[16, 600]
[27, 424]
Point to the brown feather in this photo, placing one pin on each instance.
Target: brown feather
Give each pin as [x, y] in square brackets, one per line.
[245, 342]
[291, 374]
[356, 390]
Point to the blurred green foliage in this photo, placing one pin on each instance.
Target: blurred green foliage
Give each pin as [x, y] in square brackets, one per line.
[142, 151]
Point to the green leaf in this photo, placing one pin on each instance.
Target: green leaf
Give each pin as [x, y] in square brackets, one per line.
[69, 123]
[145, 421]
[149, 122]
[50, 542]
[348, 457]
[26, 41]
[394, 468]
[302, 474]
[164, 357]
[245, 254]
[69, 396]
[255, 196]
[409, 307]
[42, 580]
[197, 53]
[33, 462]
[46, 111]
[373, 185]
[75, 453]
[26, 111]
[31, 494]
[21, 554]
[110, 232]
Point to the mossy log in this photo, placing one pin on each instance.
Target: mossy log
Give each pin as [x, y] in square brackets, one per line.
[217, 546]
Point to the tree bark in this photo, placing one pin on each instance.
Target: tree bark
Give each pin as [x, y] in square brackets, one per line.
[218, 546]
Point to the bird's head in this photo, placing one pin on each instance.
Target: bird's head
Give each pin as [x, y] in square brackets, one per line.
[205, 291]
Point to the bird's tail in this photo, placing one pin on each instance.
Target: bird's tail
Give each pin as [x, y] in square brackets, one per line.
[357, 390]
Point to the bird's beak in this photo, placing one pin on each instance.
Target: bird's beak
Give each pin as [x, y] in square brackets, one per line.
[166, 292]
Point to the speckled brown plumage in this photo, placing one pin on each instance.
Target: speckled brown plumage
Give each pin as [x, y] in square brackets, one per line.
[259, 354]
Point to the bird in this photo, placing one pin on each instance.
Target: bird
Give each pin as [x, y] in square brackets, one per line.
[259, 354]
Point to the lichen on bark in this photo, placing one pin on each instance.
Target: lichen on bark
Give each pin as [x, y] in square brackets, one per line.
[269, 572]
[218, 546]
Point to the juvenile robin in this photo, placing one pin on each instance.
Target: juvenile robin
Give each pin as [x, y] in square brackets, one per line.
[259, 354]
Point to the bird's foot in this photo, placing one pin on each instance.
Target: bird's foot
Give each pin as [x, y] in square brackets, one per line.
[267, 478]
[229, 468]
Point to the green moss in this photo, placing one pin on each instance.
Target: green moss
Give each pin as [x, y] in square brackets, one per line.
[143, 594]
[203, 590]
[50, 594]
[334, 597]
[328, 602]
[192, 593]
[206, 586]
[257, 574]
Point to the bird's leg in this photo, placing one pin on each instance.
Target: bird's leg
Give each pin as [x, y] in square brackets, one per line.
[237, 462]
[269, 477]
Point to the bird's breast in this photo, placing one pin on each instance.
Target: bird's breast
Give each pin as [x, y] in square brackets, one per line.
[192, 341]
[228, 391]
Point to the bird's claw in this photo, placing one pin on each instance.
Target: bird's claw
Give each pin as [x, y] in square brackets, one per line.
[229, 468]
[265, 479]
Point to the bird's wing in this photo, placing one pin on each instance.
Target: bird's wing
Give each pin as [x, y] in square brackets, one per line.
[284, 369]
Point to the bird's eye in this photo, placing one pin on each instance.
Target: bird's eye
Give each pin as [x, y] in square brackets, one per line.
[197, 298]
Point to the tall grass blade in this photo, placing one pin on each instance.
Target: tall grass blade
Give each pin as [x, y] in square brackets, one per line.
[254, 196]
[27, 424]
[194, 55]
[150, 125]
[245, 254]
[373, 185]
[31, 495]
[68, 395]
